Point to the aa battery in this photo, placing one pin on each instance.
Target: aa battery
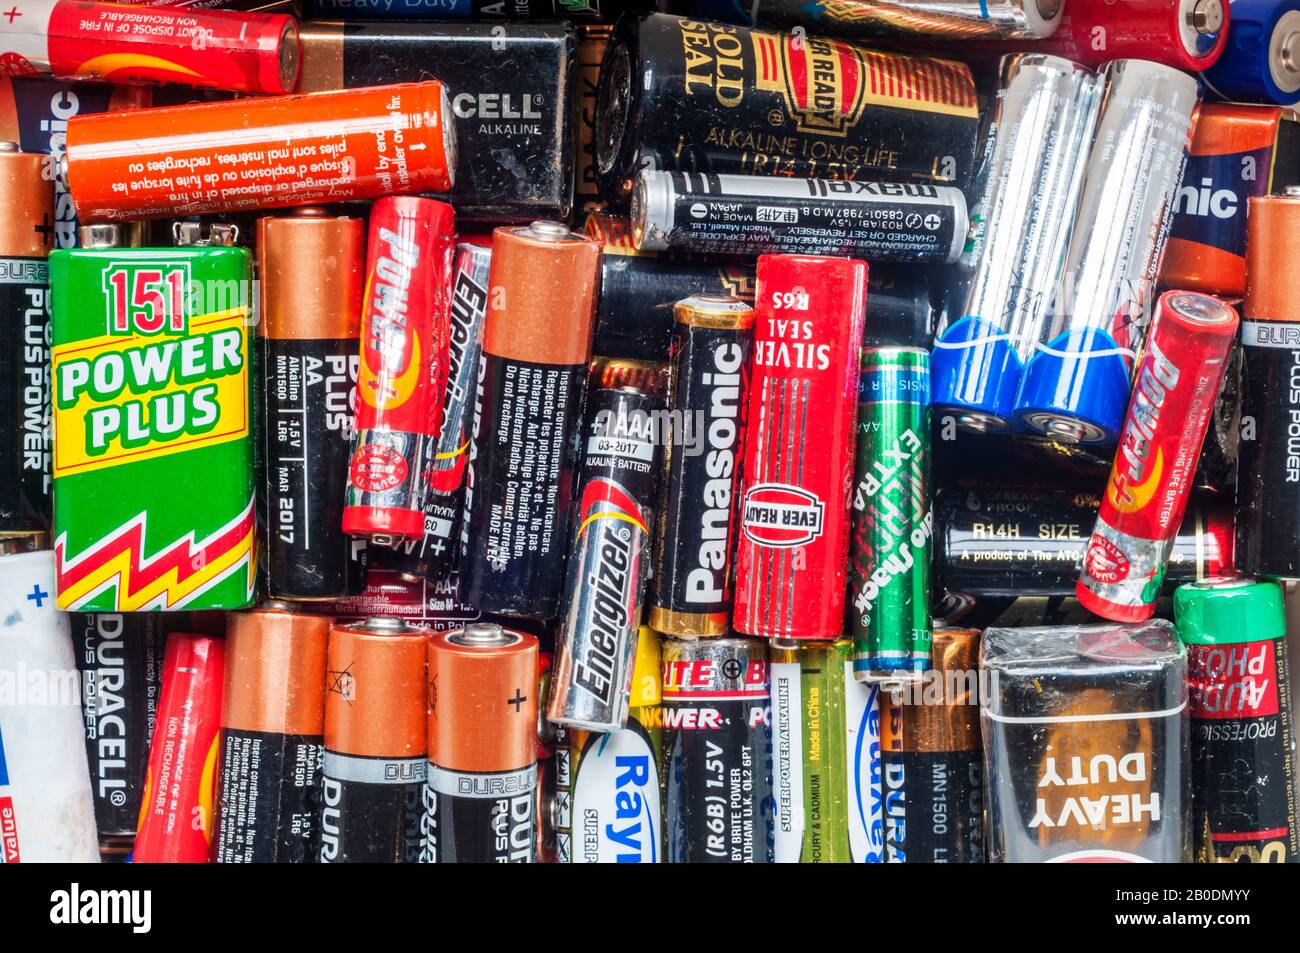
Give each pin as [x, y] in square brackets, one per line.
[261, 153]
[717, 721]
[485, 10]
[1040, 131]
[272, 733]
[373, 767]
[26, 211]
[480, 796]
[1177, 384]
[176, 820]
[888, 610]
[756, 215]
[609, 564]
[528, 405]
[790, 578]
[403, 372]
[1076, 385]
[1086, 744]
[693, 96]
[1258, 63]
[310, 270]
[932, 758]
[945, 19]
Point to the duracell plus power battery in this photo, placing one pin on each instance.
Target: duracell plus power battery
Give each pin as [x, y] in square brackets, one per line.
[26, 216]
[310, 268]
[272, 733]
[531, 377]
[480, 796]
[374, 758]
[1086, 743]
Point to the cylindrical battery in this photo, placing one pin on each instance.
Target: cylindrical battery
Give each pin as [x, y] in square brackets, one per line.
[1259, 62]
[717, 720]
[609, 564]
[1085, 743]
[1177, 384]
[708, 397]
[373, 768]
[695, 96]
[592, 40]
[1076, 385]
[945, 19]
[757, 214]
[309, 272]
[26, 214]
[403, 372]
[888, 609]
[528, 405]
[260, 153]
[932, 759]
[799, 447]
[480, 796]
[1243, 775]
[272, 734]
[485, 10]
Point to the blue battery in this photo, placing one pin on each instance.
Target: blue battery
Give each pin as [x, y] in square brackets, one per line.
[1261, 61]
[976, 373]
[1076, 388]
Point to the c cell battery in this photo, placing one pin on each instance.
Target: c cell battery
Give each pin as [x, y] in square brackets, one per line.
[1256, 64]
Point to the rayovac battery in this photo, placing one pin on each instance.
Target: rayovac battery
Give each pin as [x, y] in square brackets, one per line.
[763, 103]
[864, 19]
[309, 268]
[153, 452]
[888, 607]
[790, 570]
[1259, 62]
[527, 411]
[1086, 744]
[1243, 774]
[374, 760]
[272, 737]
[717, 721]
[592, 40]
[826, 782]
[610, 562]
[485, 10]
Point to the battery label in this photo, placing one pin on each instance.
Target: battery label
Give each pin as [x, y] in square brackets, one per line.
[1210, 207]
[934, 806]
[866, 793]
[480, 818]
[269, 793]
[787, 762]
[24, 364]
[367, 807]
[9, 853]
[617, 814]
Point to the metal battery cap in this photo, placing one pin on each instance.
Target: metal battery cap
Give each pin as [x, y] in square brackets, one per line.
[652, 211]
[383, 625]
[1224, 610]
[483, 635]
[104, 235]
[1065, 429]
[548, 231]
[1199, 312]
[1284, 52]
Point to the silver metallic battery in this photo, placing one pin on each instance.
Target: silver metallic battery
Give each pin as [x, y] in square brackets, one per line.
[938, 19]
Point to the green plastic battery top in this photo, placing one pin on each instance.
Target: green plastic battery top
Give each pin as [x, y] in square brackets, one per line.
[1229, 609]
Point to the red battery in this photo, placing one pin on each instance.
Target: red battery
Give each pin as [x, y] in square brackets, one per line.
[802, 417]
[78, 39]
[1174, 393]
[176, 820]
[403, 374]
[252, 154]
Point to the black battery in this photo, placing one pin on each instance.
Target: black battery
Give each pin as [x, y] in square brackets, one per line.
[1216, 469]
[477, 10]
[25, 395]
[476, 829]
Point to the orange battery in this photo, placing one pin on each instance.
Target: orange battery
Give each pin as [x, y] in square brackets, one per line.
[252, 154]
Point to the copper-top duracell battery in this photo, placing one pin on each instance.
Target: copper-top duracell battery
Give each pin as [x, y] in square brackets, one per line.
[374, 761]
[479, 799]
[26, 237]
[310, 267]
[272, 728]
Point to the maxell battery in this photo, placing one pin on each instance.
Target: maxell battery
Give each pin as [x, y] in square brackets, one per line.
[1085, 744]
[888, 609]
[1243, 775]
[176, 814]
[47, 812]
[374, 758]
[708, 397]
[261, 153]
[1177, 384]
[480, 796]
[26, 217]
[153, 452]
[1259, 62]
[1041, 128]
[948, 19]
[309, 269]
[932, 759]
[1076, 385]
[78, 39]
[592, 40]
[527, 410]
[486, 10]
[693, 96]
[403, 373]
[510, 88]
[272, 732]
[1237, 153]
[794, 516]
[717, 721]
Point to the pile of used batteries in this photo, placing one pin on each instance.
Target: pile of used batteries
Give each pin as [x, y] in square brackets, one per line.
[580, 434]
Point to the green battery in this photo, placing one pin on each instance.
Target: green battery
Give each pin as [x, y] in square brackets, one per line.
[153, 449]
[888, 606]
